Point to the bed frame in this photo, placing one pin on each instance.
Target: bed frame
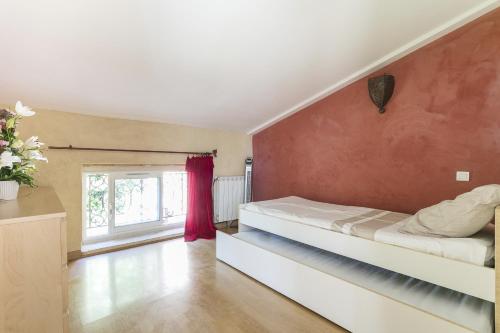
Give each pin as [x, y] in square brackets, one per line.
[326, 294]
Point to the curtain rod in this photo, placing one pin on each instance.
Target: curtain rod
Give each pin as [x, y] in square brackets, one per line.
[71, 147]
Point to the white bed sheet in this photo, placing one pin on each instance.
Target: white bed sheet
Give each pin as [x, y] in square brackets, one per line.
[465, 310]
[478, 249]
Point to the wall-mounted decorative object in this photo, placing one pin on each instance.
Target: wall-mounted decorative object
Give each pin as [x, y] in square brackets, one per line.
[381, 89]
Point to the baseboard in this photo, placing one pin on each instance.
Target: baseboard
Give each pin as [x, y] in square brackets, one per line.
[226, 223]
[74, 255]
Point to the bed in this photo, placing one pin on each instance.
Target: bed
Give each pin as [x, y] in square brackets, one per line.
[344, 262]
[377, 225]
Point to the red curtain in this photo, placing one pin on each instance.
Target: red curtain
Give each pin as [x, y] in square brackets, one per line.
[199, 219]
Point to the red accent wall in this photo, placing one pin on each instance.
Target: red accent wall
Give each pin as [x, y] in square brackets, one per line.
[444, 116]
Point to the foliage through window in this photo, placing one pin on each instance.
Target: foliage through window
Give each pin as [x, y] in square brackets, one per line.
[97, 201]
[136, 200]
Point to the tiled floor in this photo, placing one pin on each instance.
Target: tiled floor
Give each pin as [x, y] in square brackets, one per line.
[175, 286]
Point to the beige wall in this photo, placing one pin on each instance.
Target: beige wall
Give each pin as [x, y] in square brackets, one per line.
[64, 169]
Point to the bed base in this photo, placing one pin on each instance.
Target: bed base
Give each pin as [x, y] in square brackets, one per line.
[355, 308]
[328, 295]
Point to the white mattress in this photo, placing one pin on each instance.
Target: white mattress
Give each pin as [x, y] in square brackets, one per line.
[468, 311]
[477, 250]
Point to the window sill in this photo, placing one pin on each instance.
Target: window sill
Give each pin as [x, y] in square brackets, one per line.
[123, 243]
[137, 230]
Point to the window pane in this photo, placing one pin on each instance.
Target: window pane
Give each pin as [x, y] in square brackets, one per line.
[136, 200]
[97, 205]
[175, 195]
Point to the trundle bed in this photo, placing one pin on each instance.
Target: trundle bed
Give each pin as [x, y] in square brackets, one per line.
[349, 276]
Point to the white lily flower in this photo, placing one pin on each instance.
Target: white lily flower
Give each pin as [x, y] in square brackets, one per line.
[36, 155]
[23, 111]
[32, 143]
[6, 159]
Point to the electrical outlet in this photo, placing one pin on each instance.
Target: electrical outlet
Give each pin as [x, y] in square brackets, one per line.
[462, 176]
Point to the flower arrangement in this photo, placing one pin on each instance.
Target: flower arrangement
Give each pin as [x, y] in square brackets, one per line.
[17, 157]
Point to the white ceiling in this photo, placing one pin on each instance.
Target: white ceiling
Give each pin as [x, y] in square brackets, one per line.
[233, 64]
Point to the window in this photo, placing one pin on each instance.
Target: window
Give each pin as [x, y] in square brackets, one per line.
[175, 196]
[118, 202]
[137, 200]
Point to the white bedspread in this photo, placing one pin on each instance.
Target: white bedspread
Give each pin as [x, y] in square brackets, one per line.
[377, 225]
[300, 210]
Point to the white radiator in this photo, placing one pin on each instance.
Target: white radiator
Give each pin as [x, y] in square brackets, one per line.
[228, 195]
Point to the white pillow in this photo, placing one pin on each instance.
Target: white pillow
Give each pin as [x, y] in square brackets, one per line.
[462, 217]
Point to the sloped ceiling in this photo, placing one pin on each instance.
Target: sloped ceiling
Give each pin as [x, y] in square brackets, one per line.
[236, 65]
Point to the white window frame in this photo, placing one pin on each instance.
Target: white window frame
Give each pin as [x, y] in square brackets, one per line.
[136, 229]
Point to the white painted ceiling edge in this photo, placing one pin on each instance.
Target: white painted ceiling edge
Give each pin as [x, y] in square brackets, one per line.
[395, 55]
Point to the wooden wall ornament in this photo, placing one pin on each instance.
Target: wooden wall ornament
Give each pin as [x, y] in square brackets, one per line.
[380, 89]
